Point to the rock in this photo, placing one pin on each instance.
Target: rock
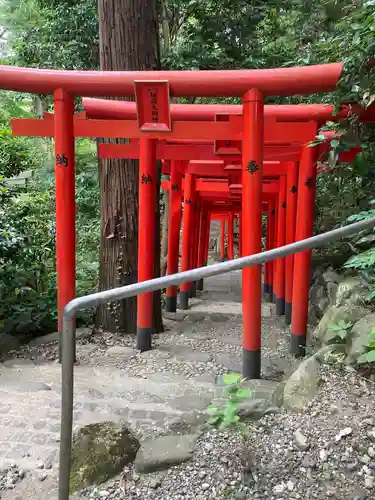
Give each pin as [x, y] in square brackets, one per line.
[301, 440]
[165, 451]
[324, 353]
[231, 362]
[258, 388]
[120, 351]
[359, 494]
[255, 409]
[8, 343]
[301, 387]
[81, 333]
[323, 455]
[332, 292]
[358, 337]
[331, 276]
[27, 386]
[347, 313]
[343, 433]
[155, 483]
[279, 488]
[308, 462]
[205, 486]
[318, 301]
[175, 316]
[322, 305]
[352, 291]
[99, 452]
[369, 482]
[290, 485]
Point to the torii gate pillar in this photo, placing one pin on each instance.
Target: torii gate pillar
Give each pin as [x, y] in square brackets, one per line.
[174, 233]
[252, 172]
[146, 232]
[302, 260]
[65, 202]
[188, 220]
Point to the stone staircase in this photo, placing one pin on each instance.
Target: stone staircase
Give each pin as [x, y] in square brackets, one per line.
[162, 391]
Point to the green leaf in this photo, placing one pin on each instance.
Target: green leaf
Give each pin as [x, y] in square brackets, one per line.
[243, 393]
[214, 420]
[362, 359]
[370, 356]
[212, 410]
[231, 378]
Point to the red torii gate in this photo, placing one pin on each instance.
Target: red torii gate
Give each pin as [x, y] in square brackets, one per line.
[275, 134]
[251, 84]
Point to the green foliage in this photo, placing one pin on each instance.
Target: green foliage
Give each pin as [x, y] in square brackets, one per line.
[364, 260]
[27, 235]
[236, 393]
[369, 356]
[53, 34]
[27, 254]
[339, 331]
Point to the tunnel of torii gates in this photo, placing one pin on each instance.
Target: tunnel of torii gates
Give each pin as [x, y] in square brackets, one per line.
[259, 156]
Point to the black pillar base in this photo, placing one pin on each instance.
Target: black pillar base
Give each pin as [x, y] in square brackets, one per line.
[171, 304]
[184, 300]
[273, 297]
[266, 288]
[280, 306]
[288, 313]
[144, 337]
[250, 364]
[200, 285]
[297, 345]
[193, 290]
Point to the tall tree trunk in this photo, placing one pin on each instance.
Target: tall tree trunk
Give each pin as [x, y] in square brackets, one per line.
[129, 40]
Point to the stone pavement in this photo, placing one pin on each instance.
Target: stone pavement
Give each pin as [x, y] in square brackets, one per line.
[156, 392]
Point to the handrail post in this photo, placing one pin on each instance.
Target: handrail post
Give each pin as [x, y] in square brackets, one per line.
[124, 292]
[67, 372]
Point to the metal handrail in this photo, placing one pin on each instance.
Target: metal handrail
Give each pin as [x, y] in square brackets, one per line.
[88, 301]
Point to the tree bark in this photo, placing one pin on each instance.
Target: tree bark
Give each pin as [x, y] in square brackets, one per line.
[129, 40]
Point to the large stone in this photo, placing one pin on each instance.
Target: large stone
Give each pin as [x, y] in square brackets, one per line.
[99, 452]
[357, 341]
[26, 386]
[353, 291]
[302, 386]
[120, 351]
[263, 397]
[165, 451]
[8, 343]
[81, 333]
[331, 276]
[230, 361]
[332, 292]
[333, 315]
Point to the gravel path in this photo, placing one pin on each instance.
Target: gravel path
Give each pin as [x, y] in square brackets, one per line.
[326, 452]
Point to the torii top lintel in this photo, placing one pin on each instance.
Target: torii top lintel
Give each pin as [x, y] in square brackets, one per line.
[125, 110]
[215, 83]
